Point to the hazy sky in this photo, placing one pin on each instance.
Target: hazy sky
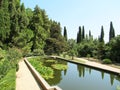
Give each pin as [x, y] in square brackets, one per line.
[74, 13]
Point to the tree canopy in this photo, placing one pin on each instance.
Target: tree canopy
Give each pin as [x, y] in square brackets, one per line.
[32, 31]
[28, 30]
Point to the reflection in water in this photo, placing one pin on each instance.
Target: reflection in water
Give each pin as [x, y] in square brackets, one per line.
[57, 78]
[112, 78]
[65, 72]
[102, 74]
[78, 77]
[81, 70]
[57, 73]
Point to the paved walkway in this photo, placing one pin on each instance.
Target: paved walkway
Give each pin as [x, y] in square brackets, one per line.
[24, 78]
[100, 66]
[93, 64]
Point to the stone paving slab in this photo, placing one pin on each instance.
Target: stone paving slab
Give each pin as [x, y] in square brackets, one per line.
[24, 78]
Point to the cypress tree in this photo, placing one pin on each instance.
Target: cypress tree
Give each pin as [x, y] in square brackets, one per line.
[101, 38]
[83, 33]
[90, 33]
[79, 37]
[112, 31]
[65, 33]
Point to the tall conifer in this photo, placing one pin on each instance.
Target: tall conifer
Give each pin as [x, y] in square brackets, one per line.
[65, 33]
[101, 38]
[112, 31]
[79, 36]
[83, 33]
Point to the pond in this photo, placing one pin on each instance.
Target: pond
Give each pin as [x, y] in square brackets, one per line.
[78, 77]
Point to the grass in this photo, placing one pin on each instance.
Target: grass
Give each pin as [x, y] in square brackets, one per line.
[59, 66]
[8, 82]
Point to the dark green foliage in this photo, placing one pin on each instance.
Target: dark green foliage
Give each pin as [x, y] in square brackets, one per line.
[85, 48]
[83, 33]
[72, 48]
[107, 61]
[36, 25]
[4, 23]
[115, 49]
[29, 13]
[23, 19]
[101, 39]
[23, 41]
[79, 35]
[13, 9]
[65, 33]
[90, 34]
[112, 31]
[27, 29]
[55, 44]
[101, 50]
[46, 21]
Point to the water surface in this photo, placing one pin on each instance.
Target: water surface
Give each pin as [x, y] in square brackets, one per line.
[78, 77]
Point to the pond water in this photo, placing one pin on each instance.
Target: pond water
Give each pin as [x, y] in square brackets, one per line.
[78, 77]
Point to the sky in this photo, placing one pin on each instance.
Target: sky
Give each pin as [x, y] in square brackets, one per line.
[74, 13]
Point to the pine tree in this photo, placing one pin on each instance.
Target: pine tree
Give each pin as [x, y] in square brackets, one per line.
[101, 38]
[24, 38]
[65, 33]
[13, 8]
[46, 21]
[79, 36]
[0, 3]
[112, 31]
[36, 25]
[4, 22]
[23, 19]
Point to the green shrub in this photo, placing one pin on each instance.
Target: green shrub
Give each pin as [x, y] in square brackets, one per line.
[2, 54]
[13, 56]
[4, 68]
[8, 82]
[107, 61]
[8, 67]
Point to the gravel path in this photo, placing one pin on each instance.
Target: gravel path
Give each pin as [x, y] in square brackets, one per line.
[24, 78]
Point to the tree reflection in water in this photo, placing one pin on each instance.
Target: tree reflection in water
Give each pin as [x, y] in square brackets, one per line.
[83, 73]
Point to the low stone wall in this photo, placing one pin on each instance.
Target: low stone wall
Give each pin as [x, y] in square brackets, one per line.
[39, 79]
[89, 65]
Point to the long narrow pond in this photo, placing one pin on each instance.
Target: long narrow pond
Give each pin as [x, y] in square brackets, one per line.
[78, 77]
